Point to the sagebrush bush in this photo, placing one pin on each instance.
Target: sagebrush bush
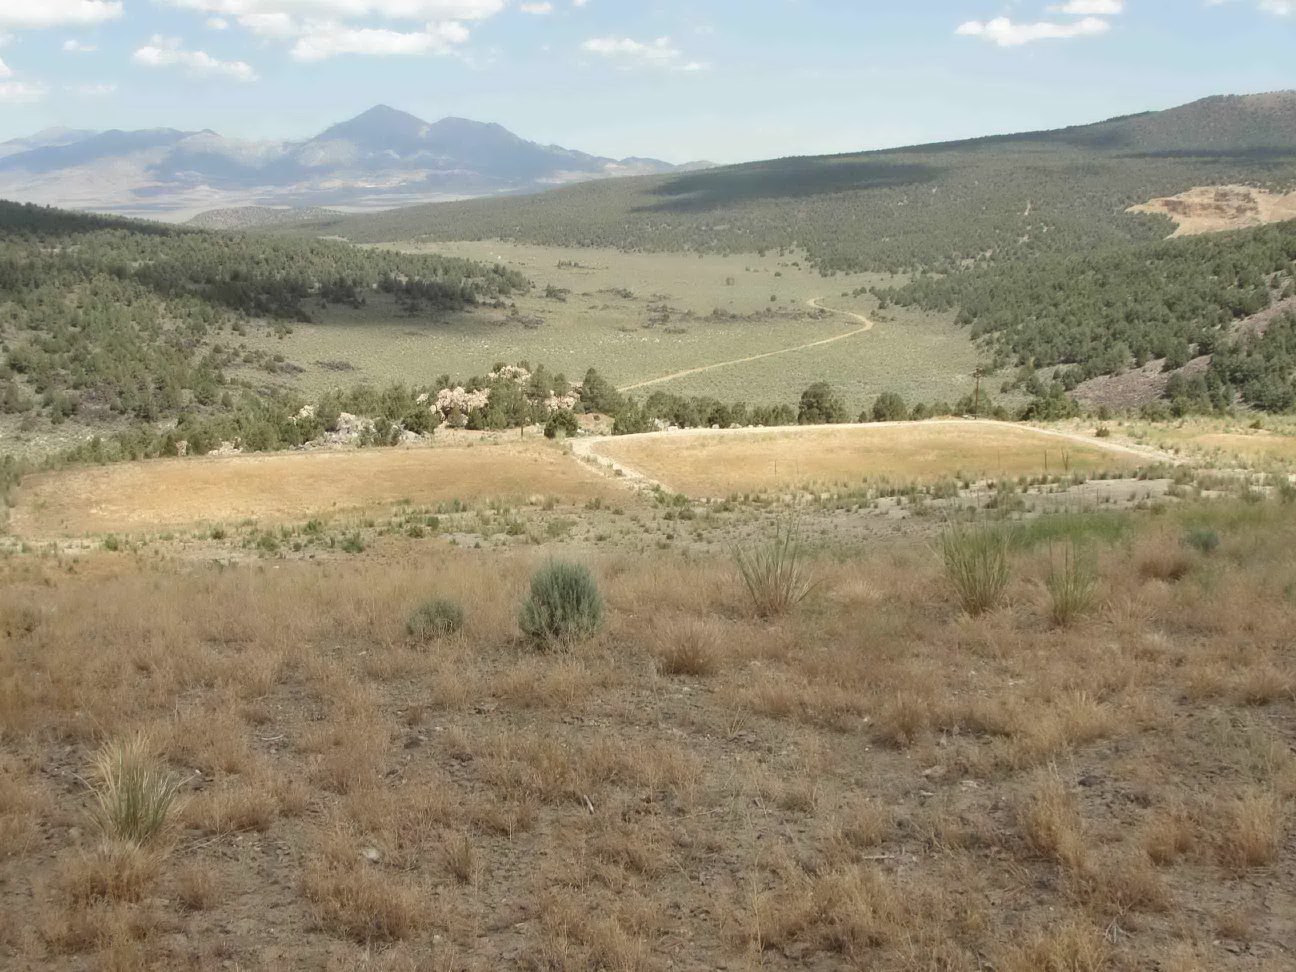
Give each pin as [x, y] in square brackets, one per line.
[1202, 540]
[565, 605]
[976, 564]
[134, 792]
[1072, 586]
[774, 572]
[435, 619]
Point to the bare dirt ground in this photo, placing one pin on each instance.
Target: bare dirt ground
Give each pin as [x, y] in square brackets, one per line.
[1212, 209]
[720, 462]
[1136, 387]
[285, 487]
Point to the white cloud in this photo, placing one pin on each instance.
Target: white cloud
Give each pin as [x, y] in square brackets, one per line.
[216, 23]
[328, 10]
[162, 52]
[632, 53]
[74, 46]
[319, 29]
[5, 70]
[1279, 8]
[1089, 8]
[537, 8]
[15, 92]
[1005, 33]
[331, 39]
[36, 14]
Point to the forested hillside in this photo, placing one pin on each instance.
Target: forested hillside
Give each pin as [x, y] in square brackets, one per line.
[935, 207]
[105, 318]
[1103, 312]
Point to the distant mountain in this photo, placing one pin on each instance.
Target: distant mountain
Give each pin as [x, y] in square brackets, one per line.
[42, 139]
[381, 158]
[939, 207]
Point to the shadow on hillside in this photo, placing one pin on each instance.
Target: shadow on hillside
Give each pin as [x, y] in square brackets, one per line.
[785, 179]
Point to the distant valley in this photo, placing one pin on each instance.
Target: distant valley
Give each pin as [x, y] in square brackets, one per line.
[379, 159]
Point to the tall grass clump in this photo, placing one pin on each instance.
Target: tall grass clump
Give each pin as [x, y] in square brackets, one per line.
[976, 564]
[565, 605]
[436, 618]
[775, 572]
[134, 792]
[1072, 585]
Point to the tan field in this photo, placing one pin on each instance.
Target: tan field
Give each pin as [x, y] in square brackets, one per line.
[285, 487]
[704, 463]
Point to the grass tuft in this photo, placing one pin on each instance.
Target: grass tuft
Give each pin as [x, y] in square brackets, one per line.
[976, 564]
[135, 793]
[436, 618]
[1072, 586]
[775, 572]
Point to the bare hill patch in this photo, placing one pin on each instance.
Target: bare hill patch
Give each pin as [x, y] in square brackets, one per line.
[1213, 209]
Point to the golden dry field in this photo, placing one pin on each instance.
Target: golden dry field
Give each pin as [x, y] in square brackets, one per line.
[708, 463]
[285, 487]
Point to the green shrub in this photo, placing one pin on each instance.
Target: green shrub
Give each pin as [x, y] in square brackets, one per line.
[774, 572]
[976, 564]
[435, 619]
[1202, 540]
[564, 606]
[1072, 586]
[561, 422]
[133, 791]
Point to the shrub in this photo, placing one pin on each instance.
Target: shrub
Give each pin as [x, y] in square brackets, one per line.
[564, 606]
[1202, 540]
[1071, 586]
[976, 563]
[889, 407]
[135, 794]
[774, 572]
[435, 619]
[563, 422]
[820, 406]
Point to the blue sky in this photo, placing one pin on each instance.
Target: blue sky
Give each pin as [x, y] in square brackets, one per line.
[725, 80]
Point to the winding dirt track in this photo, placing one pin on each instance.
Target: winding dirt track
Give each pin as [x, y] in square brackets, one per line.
[813, 302]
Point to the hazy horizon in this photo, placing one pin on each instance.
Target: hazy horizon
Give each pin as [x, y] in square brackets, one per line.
[723, 81]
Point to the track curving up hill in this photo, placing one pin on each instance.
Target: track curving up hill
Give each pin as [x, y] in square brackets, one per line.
[813, 302]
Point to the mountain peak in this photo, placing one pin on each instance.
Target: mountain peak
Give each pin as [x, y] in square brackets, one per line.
[380, 125]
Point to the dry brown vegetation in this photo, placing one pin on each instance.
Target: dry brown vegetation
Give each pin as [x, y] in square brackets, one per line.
[704, 463]
[282, 487]
[872, 780]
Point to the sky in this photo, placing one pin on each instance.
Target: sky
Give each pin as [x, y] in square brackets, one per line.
[723, 80]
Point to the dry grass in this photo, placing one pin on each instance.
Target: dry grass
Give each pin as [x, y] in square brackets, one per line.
[292, 487]
[876, 780]
[706, 464]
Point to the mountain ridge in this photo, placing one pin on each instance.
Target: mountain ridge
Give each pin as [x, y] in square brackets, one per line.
[379, 158]
[939, 207]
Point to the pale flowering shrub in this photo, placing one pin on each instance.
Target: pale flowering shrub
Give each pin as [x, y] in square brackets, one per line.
[560, 403]
[515, 373]
[458, 399]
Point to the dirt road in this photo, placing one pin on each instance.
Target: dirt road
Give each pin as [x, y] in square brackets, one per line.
[813, 302]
